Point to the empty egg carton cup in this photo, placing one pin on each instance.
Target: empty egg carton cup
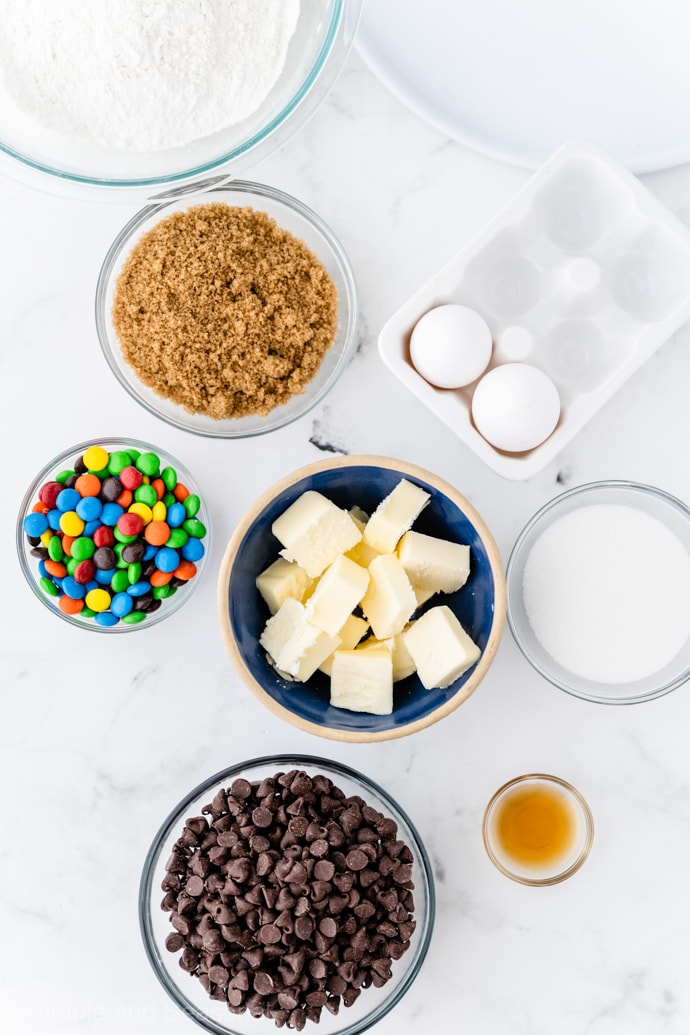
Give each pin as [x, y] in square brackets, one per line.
[584, 274]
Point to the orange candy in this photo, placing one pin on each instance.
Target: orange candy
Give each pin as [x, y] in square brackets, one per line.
[67, 541]
[55, 568]
[160, 578]
[180, 492]
[157, 533]
[159, 485]
[88, 485]
[40, 508]
[125, 498]
[185, 570]
[69, 606]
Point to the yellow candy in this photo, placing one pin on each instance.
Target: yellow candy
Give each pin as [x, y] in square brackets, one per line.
[47, 536]
[98, 599]
[95, 458]
[159, 511]
[143, 510]
[71, 524]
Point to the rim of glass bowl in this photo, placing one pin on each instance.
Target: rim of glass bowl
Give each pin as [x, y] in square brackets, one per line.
[30, 575]
[424, 880]
[587, 840]
[338, 39]
[515, 612]
[348, 309]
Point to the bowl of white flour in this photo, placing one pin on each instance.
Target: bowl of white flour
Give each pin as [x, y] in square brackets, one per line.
[149, 96]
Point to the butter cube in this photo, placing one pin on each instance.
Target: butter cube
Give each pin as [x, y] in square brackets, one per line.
[394, 515]
[350, 635]
[296, 646]
[314, 531]
[389, 600]
[281, 580]
[422, 594]
[433, 563]
[403, 665]
[362, 681]
[337, 594]
[440, 647]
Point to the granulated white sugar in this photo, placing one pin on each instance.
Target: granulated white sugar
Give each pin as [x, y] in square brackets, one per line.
[142, 75]
[606, 591]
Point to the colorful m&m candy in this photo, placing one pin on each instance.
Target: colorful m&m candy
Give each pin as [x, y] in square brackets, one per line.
[115, 535]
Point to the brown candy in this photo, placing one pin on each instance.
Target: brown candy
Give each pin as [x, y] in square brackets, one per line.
[287, 897]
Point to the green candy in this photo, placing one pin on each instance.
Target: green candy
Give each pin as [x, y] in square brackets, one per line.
[55, 551]
[194, 527]
[133, 618]
[192, 504]
[169, 476]
[118, 461]
[71, 565]
[123, 539]
[86, 612]
[63, 476]
[119, 563]
[169, 499]
[177, 538]
[134, 455]
[120, 580]
[161, 592]
[146, 494]
[83, 548]
[48, 587]
[148, 463]
[134, 573]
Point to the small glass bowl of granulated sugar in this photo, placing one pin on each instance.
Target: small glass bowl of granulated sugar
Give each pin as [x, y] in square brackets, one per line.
[599, 592]
[287, 891]
[228, 313]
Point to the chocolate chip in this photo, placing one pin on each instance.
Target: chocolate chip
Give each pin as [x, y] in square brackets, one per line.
[286, 897]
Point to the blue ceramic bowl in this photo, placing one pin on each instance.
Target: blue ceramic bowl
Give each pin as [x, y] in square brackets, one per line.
[358, 481]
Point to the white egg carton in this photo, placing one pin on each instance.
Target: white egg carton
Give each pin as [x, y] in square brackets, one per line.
[584, 274]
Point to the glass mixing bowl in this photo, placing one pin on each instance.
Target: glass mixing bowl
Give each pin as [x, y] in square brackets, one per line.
[187, 992]
[43, 158]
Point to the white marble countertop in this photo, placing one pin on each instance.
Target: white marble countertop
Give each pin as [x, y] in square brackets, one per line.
[100, 737]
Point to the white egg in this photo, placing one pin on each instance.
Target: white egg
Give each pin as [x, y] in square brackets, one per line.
[450, 346]
[515, 407]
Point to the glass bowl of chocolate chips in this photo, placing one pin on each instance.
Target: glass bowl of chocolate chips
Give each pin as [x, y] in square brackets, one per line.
[287, 891]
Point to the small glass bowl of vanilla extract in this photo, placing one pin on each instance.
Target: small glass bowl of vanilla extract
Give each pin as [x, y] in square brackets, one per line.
[538, 829]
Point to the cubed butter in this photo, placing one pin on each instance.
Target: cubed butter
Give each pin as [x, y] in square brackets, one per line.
[314, 531]
[389, 601]
[403, 665]
[440, 647]
[337, 594]
[432, 563]
[281, 580]
[362, 681]
[350, 635]
[296, 646]
[394, 515]
[422, 594]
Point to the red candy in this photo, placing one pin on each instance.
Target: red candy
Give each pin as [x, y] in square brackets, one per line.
[130, 478]
[84, 571]
[49, 492]
[129, 524]
[103, 536]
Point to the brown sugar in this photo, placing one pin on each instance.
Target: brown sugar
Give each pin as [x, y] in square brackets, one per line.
[223, 312]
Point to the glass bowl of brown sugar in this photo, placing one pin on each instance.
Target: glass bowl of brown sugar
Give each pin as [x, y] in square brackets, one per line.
[229, 313]
[287, 891]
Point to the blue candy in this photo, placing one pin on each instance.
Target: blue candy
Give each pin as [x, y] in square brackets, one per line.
[139, 589]
[167, 559]
[89, 508]
[110, 513]
[176, 515]
[72, 588]
[54, 519]
[90, 527]
[104, 578]
[149, 552]
[106, 618]
[121, 604]
[35, 524]
[193, 550]
[67, 500]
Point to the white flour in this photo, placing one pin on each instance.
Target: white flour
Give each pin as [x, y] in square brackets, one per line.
[142, 74]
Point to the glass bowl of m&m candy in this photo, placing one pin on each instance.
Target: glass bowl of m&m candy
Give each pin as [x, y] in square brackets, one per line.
[113, 535]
